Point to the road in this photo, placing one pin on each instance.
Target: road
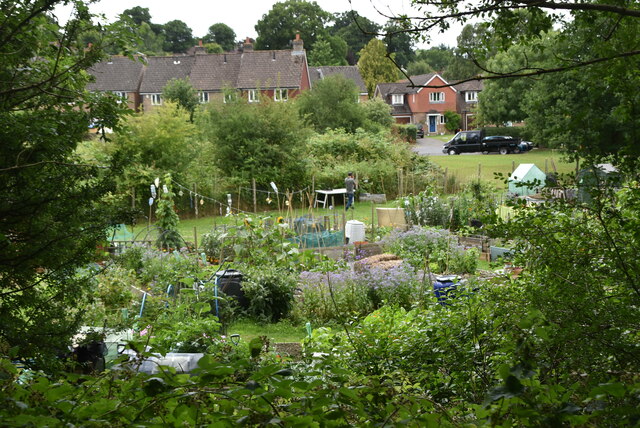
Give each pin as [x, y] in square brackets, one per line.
[428, 146]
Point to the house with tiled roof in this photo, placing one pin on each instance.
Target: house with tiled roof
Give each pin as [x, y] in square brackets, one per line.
[468, 101]
[119, 75]
[414, 102]
[350, 72]
[277, 74]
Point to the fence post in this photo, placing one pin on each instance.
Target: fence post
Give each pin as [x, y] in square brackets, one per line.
[195, 237]
[444, 181]
[373, 224]
[196, 201]
[255, 196]
[546, 166]
[479, 171]
[513, 166]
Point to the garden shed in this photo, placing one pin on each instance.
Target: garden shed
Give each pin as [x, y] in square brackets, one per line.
[526, 180]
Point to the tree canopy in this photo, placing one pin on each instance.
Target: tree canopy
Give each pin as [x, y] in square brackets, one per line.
[355, 30]
[221, 34]
[53, 211]
[332, 104]
[178, 37]
[374, 65]
[279, 26]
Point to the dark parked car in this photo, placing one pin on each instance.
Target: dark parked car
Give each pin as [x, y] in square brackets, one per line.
[476, 141]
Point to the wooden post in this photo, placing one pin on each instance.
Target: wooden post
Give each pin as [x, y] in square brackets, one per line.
[196, 201]
[344, 225]
[553, 165]
[513, 166]
[195, 237]
[313, 185]
[373, 223]
[133, 198]
[546, 166]
[400, 183]
[255, 195]
[479, 171]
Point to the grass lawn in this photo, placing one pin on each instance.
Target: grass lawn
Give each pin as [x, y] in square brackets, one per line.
[279, 332]
[465, 167]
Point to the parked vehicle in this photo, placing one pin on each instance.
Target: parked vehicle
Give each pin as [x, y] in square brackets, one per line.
[476, 141]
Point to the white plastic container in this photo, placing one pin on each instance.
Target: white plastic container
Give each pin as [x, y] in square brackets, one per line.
[354, 231]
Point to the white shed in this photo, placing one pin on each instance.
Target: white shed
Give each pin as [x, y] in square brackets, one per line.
[527, 179]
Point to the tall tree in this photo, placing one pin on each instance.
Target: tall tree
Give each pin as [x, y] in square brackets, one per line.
[375, 67]
[400, 43]
[329, 50]
[279, 26]
[181, 92]
[138, 14]
[223, 35]
[331, 104]
[178, 37]
[52, 208]
[356, 30]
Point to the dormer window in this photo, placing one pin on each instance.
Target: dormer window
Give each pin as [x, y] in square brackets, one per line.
[176, 62]
[471, 96]
[436, 97]
[397, 99]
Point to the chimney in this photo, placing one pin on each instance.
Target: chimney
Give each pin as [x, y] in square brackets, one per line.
[200, 49]
[298, 46]
[247, 45]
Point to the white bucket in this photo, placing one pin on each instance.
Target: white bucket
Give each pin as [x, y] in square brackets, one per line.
[354, 231]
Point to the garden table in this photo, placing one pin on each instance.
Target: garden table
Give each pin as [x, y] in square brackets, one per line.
[327, 193]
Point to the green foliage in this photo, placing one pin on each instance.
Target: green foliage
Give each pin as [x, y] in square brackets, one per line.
[180, 92]
[375, 67]
[332, 104]
[435, 249]
[355, 30]
[54, 210]
[269, 290]
[399, 43]
[406, 132]
[452, 120]
[178, 37]
[328, 50]
[265, 142]
[375, 157]
[279, 26]
[221, 34]
[168, 219]
[378, 114]
[155, 143]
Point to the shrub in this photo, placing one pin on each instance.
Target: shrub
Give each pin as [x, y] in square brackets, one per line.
[269, 290]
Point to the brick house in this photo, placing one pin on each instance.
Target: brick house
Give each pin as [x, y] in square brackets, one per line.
[350, 72]
[276, 74]
[419, 104]
[468, 102]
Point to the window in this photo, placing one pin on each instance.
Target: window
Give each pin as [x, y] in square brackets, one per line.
[471, 96]
[120, 94]
[156, 99]
[204, 97]
[436, 97]
[443, 119]
[252, 95]
[281, 95]
[397, 99]
[229, 97]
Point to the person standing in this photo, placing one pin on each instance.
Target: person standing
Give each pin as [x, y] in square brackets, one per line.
[350, 184]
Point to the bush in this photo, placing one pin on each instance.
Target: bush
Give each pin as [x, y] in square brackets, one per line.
[438, 246]
[337, 296]
[269, 290]
[407, 132]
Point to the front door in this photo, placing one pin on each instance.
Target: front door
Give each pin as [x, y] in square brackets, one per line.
[432, 124]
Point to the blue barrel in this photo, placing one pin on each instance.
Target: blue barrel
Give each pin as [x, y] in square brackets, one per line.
[444, 286]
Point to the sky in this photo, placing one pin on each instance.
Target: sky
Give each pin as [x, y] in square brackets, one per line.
[242, 15]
